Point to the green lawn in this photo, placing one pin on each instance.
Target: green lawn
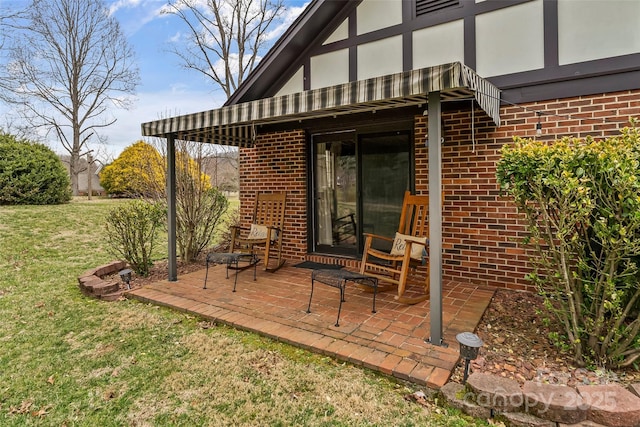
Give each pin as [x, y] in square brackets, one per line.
[66, 360]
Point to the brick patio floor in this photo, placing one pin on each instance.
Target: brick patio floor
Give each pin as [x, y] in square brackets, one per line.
[391, 341]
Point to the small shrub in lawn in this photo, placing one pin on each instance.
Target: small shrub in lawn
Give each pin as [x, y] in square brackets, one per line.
[132, 229]
[199, 213]
[31, 174]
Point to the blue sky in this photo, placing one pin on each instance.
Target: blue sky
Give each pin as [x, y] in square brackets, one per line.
[165, 88]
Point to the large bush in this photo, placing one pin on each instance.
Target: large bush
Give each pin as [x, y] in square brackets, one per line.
[132, 229]
[582, 202]
[137, 171]
[31, 174]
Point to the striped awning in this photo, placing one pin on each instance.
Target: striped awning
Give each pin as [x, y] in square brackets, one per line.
[237, 124]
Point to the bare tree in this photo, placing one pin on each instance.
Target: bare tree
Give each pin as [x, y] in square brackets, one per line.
[6, 17]
[225, 37]
[68, 63]
[221, 164]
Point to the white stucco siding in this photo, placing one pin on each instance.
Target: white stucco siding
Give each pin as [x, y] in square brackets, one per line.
[596, 29]
[380, 58]
[440, 44]
[294, 84]
[340, 33]
[510, 40]
[377, 14]
[330, 69]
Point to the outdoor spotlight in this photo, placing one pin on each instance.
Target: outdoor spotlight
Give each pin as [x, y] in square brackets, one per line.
[470, 344]
[125, 275]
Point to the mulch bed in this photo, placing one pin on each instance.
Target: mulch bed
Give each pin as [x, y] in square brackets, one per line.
[516, 345]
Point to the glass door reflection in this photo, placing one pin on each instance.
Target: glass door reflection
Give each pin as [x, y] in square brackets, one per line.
[335, 176]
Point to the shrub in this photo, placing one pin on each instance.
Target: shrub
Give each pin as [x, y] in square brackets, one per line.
[132, 231]
[581, 199]
[135, 172]
[199, 206]
[31, 174]
[198, 214]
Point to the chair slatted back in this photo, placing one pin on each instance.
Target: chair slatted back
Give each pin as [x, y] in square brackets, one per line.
[269, 209]
[414, 219]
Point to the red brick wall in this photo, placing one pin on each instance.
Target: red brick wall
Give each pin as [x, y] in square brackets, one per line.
[481, 229]
[278, 163]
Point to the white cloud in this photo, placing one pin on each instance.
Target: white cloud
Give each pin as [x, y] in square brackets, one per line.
[123, 4]
[178, 37]
[135, 14]
[290, 14]
[155, 106]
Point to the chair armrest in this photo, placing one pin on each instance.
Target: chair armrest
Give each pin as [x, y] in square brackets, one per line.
[415, 242]
[236, 229]
[376, 236]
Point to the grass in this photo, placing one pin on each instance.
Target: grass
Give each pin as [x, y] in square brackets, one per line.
[66, 360]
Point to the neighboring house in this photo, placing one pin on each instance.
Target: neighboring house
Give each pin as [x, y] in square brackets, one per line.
[317, 120]
[83, 177]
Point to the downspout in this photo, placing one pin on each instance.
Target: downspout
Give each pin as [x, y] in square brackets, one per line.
[171, 207]
[435, 218]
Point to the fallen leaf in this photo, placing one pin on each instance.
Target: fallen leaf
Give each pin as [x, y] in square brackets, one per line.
[22, 409]
[51, 380]
[41, 412]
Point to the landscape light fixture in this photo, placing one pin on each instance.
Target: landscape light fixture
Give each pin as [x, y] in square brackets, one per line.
[538, 125]
[125, 275]
[470, 344]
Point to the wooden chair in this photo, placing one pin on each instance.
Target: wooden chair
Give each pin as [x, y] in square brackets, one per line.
[266, 230]
[408, 261]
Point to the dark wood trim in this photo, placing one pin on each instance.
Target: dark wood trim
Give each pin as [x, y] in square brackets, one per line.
[307, 74]
[550, 16]
[470, 41]
[309, 176]
[581, 70]
[353, 48]
[407, 52]
[407, 38]
[572, 88]
[408, 11]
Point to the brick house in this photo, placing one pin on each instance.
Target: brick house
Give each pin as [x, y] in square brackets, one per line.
[360, 100]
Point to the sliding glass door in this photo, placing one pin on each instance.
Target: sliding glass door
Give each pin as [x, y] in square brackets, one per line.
[385, 171]
[335, 199]
[358, 185]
